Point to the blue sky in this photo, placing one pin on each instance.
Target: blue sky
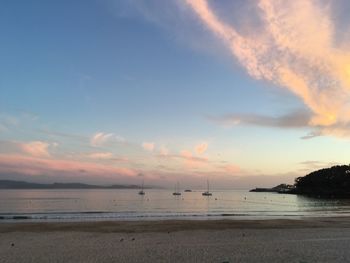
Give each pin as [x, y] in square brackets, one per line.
[155, 81]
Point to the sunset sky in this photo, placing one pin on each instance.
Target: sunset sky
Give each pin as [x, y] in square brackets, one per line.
[243, 93]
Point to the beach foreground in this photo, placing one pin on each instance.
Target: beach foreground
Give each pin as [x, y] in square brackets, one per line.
[304, 240]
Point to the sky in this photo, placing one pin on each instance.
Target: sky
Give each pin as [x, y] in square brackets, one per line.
[242, 93]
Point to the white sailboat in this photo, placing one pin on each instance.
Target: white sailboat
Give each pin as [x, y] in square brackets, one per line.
[142, 192]
[207, 193]
[177, 192]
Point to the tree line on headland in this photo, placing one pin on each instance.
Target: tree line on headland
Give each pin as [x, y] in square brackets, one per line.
[333, 182]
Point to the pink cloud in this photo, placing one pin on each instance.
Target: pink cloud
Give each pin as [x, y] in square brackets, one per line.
[36, 166]
[192, 161]
[36, 148]
[100, 155]
[232, 169]
[186, 156]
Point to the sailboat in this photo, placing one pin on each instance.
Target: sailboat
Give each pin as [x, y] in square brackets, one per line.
[176, 192]
[207, 193]
[141, 192]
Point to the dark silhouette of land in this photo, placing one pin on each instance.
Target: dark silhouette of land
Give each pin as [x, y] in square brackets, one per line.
[281, 188]
[9, 184]
[333, 182]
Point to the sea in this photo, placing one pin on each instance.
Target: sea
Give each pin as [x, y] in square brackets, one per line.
[160, 204]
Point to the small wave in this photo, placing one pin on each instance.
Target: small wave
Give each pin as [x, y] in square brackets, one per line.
[103, 216]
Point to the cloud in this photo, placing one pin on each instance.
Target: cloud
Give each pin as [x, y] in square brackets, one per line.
[36, 148]
[101, 138]
[171, 16]
[232, 169]
[297, 48]
[100, 155]
[201, 148]
[185, 155]
[309, 166]
[106, 156]
[148, 146]
[163, 150]
[33, 166]
[311, 135]
[56, 133]
[220, 179]
[7, 122]
[297, 119]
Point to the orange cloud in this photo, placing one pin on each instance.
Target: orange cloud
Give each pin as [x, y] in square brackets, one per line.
[296, 49]
[148, 146]
[201, 148]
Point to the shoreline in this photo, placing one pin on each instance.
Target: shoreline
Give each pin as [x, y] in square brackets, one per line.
[160, 226]
[276, 240]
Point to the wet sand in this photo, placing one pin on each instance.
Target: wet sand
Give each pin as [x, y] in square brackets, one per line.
[306, 240]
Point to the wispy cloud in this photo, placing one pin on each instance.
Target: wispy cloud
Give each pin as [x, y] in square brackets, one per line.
[185, 155]
[201, 148]
[231, 168]
[221, 179]
[64, 135]
[309, 166]
[163, 150]
[7, 122]
[297, 119]
[173, 16]
[100, 155]
[107, 156]
[102, 138]
[296, 48]
[311, 135]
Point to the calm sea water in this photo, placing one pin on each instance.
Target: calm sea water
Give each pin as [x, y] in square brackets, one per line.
[81, 205]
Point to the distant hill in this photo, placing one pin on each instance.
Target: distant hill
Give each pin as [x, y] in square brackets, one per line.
[9, 184]
[331, 182]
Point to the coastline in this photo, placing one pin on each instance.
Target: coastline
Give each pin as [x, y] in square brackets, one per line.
[174, 225]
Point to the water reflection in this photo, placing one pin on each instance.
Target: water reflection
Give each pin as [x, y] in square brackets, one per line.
[161, 203]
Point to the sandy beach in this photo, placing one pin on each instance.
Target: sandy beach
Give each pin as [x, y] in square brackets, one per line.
[304, 240]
